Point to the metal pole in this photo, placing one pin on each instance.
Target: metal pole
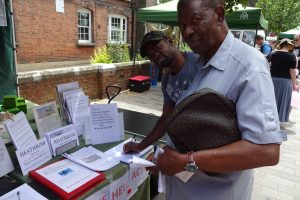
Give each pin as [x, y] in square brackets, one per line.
[14, 47]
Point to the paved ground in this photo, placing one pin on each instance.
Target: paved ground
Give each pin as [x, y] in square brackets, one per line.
[281, 182]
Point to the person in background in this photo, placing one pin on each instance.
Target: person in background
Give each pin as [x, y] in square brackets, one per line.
[241, 73]
[265, 47]
[297, 51]
[182, 66]
[283, 71]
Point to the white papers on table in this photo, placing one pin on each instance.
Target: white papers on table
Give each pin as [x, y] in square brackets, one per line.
[141, 162]
[63, 88]
[62, 139]
[23, 192]
[20, 131]
[34, 155]
[46, 117]
[6, 165]
[77, 105]
[104, 123]
[117, 152]
[93, 159]
[67, 174]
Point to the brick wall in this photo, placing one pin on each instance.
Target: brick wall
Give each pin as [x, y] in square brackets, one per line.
[44, 35]
[39, 86]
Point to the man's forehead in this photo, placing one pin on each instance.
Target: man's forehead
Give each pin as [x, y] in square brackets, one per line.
[194, 8]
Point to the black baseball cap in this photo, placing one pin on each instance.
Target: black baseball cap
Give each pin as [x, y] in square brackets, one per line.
[151, 36]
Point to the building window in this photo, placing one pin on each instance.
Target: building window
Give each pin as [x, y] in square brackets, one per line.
[84, 26]
[117, 29]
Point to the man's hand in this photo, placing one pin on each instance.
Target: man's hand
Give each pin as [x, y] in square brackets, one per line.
[171, 162]
[132, 147]
[153, 170]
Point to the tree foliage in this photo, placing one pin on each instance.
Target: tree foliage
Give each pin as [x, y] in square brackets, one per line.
[282, 15]
[230, 3]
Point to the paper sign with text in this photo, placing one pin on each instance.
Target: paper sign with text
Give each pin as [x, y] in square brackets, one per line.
[104, 123]
[33, 156]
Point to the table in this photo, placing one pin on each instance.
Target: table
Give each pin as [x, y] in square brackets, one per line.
[135, 124]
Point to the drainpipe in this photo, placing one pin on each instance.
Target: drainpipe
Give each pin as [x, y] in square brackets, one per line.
[14, 47]
[133, 35]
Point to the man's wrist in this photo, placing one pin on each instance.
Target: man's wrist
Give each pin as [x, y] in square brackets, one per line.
[191, 165]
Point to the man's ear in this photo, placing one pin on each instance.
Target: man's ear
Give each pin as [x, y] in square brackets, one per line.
[220, 12]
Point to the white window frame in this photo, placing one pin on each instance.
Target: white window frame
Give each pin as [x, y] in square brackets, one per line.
[83, 10]
[123, 28]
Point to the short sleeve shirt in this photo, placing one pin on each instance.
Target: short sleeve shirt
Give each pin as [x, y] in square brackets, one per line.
[297, 54]
[174, 85]
[281, 63]
[241, 73]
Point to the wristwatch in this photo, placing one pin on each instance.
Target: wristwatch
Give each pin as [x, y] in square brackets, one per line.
[191, 165]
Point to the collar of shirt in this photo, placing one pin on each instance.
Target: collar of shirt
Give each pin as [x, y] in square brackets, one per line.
[220, 58]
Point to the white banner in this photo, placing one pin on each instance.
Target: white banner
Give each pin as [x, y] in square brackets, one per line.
[123, 188]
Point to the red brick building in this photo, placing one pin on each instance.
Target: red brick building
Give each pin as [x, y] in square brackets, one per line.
[62, 33]
[48, 32]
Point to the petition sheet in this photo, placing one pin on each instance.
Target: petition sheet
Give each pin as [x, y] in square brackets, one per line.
[117, 152]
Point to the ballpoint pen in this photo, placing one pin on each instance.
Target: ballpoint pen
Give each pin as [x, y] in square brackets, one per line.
[19, 195]
[133, 139]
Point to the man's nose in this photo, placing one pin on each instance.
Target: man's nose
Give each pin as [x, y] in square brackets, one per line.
[187, 31]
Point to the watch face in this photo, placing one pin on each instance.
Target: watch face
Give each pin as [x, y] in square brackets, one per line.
[191, 167]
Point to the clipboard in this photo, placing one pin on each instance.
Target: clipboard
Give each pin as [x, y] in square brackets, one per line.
[74, 194]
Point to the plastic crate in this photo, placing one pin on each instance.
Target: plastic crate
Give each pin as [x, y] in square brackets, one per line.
[139, 83]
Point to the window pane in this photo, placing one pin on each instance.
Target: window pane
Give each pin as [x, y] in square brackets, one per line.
[117, 29]
[84, 25]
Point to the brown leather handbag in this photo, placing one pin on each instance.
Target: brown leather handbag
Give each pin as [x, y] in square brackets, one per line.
[203, 120]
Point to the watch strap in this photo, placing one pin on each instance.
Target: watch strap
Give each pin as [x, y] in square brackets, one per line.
[190, 157]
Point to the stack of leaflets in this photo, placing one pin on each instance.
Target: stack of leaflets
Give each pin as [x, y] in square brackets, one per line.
[46, 118]
[74, 105]
[62, 139]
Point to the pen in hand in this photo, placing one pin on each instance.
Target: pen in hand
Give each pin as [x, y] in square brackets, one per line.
[127, 147]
